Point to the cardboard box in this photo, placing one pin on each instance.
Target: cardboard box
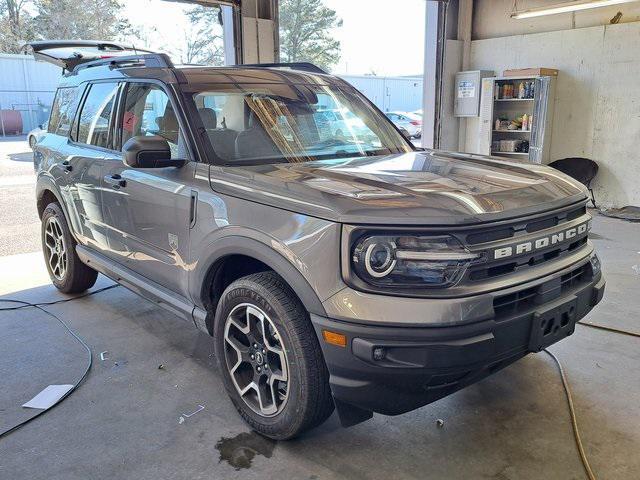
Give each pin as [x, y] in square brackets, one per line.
[531, 72]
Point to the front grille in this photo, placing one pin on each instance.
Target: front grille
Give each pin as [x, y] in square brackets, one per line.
[503, 233]
[517, 302]
[488, 241]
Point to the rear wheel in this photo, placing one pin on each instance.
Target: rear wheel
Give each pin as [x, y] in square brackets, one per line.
[68, 274]
[270, 358]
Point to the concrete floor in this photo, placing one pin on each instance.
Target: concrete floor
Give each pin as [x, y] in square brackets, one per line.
[125, 421]
[19, 225]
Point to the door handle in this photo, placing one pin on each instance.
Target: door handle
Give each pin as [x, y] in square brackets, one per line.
[66, 166]
[115, 180]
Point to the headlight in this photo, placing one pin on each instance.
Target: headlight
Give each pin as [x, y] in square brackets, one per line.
[410, 261]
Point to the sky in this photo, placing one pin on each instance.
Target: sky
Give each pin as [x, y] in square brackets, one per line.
[376, 36]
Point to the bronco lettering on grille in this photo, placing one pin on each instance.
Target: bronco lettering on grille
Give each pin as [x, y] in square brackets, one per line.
[542, 242]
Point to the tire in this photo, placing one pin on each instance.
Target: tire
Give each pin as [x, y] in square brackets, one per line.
[32, 142]
[68, 274]
[302, 402]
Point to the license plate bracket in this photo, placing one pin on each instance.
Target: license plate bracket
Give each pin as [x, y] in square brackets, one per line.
[552, 324]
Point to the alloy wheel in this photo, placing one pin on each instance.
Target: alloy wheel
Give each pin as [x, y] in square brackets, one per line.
[56, 248]
[256, 359]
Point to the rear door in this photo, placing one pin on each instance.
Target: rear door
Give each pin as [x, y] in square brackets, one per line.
[147, 210]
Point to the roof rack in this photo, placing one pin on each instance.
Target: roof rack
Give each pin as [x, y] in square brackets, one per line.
[149, 60]
[304, 66]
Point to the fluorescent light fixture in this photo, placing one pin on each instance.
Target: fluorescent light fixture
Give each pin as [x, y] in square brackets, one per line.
[566, 7]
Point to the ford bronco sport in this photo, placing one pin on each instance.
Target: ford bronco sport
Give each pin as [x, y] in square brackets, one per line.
[333, 267]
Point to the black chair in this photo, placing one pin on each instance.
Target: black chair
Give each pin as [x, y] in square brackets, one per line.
[582, 169]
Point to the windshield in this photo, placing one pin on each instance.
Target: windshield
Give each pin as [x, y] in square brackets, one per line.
[256, 124]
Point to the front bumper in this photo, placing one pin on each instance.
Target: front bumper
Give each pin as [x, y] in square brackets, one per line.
[422, 364]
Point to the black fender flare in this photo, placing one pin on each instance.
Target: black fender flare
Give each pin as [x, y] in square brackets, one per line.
[45, 182]
[240, 245]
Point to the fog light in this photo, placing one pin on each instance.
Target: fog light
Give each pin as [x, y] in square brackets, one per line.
[379, 353]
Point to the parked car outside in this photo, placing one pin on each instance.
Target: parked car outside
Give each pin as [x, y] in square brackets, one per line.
[36, 134]
[407, 122]
[341, 123]
[349, 271]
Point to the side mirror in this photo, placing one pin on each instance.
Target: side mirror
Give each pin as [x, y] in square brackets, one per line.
[149, 152]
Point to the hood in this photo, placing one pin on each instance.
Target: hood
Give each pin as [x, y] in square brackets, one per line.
[416, 188]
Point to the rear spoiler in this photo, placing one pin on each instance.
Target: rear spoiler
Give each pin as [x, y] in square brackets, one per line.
[69, 54]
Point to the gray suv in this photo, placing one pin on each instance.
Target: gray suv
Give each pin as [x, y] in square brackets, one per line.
[349, 271]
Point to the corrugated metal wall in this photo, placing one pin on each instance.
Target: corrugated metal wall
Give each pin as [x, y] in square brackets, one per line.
[389, 93]
[28, 87]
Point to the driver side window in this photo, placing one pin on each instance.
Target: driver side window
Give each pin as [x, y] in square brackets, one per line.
[148, 112]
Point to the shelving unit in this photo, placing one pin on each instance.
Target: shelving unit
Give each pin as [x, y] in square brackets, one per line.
[509, 109]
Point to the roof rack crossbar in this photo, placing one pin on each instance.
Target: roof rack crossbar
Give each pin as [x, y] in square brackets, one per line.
[304, 66]
[150, 60]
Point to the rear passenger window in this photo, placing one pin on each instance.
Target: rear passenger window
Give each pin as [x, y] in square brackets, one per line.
[147, 112]
[95, 117]
[63, 110]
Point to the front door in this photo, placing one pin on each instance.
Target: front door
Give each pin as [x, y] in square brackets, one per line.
[147, 210]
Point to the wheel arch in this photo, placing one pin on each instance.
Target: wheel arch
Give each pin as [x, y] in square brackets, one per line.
[210, 281]
[46, 193]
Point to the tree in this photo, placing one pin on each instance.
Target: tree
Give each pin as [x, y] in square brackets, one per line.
[22, 21]
[14, 25]
[305, 33]
[88, 19]
[204, 44]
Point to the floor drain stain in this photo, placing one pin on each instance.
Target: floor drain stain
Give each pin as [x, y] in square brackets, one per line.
[239, 451]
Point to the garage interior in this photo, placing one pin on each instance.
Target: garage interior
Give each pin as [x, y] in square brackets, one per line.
[152, 404]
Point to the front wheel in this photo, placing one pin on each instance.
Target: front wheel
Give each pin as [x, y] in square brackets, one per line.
[68, 274]
[270, 357]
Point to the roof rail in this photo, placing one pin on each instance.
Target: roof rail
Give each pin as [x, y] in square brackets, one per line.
[149, 60]
[304, 66]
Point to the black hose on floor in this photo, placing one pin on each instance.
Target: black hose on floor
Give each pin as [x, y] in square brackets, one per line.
[567, 391]
[23, 304]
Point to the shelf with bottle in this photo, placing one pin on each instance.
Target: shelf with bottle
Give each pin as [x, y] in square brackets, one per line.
[514, 90]
[510, 147]
[521, 123]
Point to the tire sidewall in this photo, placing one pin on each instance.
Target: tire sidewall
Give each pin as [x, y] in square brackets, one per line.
[288, 418]
[54, 210]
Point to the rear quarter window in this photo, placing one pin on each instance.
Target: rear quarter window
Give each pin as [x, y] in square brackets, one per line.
[63, 110]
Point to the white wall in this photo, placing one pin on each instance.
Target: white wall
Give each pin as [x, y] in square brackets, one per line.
[492, 18]
[597, 110]
[389, 93]
[450, 124]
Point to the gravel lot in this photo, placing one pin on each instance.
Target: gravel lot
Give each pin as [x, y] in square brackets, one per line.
[19, 223]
